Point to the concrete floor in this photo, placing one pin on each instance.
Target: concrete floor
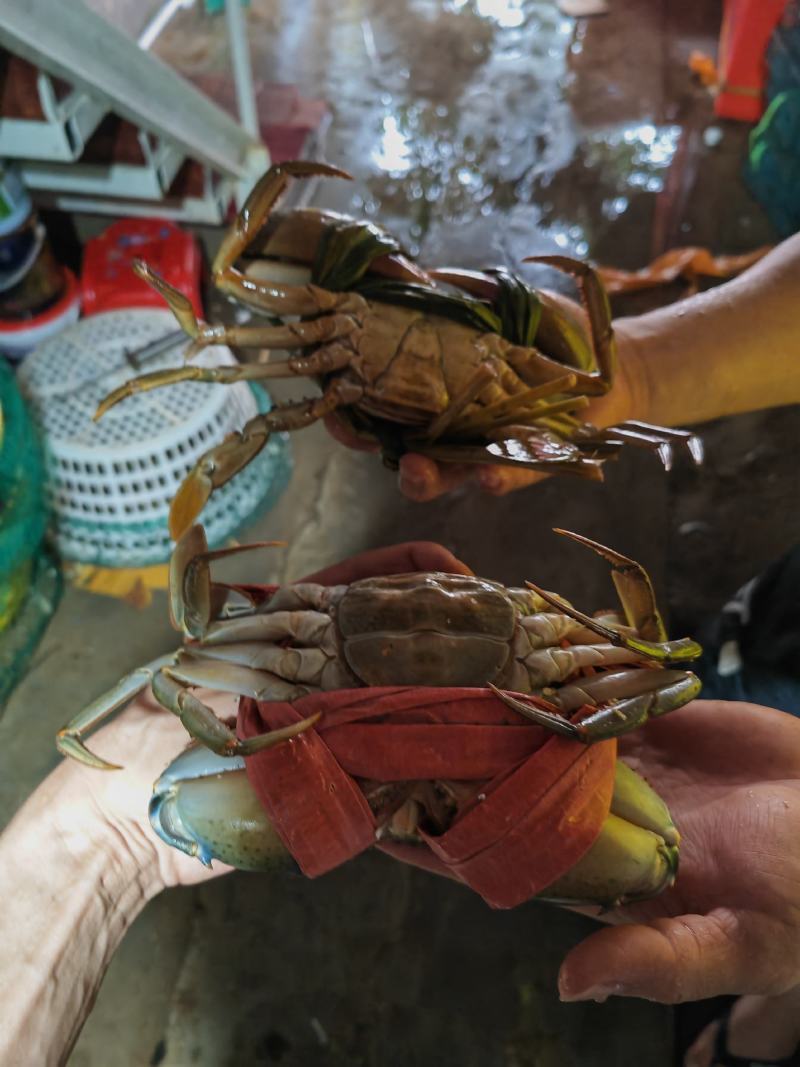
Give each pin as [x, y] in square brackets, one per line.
[479, 131]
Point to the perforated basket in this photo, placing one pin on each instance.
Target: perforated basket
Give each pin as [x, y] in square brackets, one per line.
[110, 483]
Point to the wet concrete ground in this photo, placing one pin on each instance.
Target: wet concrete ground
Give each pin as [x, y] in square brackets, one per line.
[480, 132]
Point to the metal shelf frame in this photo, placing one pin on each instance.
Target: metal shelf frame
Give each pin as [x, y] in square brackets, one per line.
[110, 73]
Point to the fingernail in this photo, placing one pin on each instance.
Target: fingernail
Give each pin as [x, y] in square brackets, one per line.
[596, 992]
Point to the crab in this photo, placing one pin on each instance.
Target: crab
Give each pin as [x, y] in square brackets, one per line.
[426, 629]
[460, 366]
[543, 658]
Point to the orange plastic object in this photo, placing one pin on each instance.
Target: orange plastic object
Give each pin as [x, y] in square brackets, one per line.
[747, 26]
[538, 802]
[688, 263]
[704, 68]
[108, 281]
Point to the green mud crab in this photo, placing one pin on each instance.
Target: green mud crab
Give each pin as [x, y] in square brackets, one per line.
[543, 657]
[461, 366]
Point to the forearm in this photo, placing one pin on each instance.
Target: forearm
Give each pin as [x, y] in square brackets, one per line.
[735, 348]
[69, 895]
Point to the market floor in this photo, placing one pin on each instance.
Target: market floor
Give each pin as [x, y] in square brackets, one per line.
[479, 131]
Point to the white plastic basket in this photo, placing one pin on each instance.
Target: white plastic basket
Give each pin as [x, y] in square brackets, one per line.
[110, 483]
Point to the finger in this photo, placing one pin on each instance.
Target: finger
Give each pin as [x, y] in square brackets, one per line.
[501, 480]
[422, 479]
[411, 557]
[669, 960]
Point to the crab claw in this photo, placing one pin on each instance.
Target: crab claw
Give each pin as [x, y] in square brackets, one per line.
[204, 805]
[212, 470]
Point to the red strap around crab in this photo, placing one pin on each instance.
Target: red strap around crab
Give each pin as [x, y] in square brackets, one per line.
[539, 800]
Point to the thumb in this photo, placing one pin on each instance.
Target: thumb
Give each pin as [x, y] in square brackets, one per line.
[669, 960]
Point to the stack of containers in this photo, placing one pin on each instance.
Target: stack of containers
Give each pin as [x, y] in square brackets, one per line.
[38, 296]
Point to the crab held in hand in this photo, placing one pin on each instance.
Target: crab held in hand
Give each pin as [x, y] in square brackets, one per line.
[460, 366]
[500, 681]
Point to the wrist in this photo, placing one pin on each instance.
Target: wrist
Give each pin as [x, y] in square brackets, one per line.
[70, 815]
[71, 889]
[631, 396]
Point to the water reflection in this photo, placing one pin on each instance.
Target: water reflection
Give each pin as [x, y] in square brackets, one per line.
[614, 171]
[506, 13]
[457, 119]
[392, 154]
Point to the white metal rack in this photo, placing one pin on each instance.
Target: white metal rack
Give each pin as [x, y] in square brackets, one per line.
[108, 73]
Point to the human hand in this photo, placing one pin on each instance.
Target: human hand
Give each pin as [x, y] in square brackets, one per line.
[406, 558]
[730, 774]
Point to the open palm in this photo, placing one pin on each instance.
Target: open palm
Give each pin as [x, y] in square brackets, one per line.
[730, 774]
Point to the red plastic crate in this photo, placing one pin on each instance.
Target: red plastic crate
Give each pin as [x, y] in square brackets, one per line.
[108, 281]
[747, 27]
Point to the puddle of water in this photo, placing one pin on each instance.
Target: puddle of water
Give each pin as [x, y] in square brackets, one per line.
[615, 173]
[455, 118]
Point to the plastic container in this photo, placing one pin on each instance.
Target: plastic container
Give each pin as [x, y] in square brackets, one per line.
[109, 484]
[31, 280]
[107, 278]
[19, 337]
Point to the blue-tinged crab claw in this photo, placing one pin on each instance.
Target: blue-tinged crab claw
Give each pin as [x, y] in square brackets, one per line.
[204, 805]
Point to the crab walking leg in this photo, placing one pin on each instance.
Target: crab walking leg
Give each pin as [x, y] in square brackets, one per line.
[202, 724]
[543, 630]
[287, 335]
[308, 299]
[561, 457]
[69, 738]
[311, 668]
[693, 443]
[221, 463]
[322, 362]
[156, 379]
[551, 666]
[193, 669]
[484, 374]
[627, 699]
[514, 408]
[633, 585]
[277, 299]
[672, 690]
[598, 310]
[312, 628]
[681, 651]
[286, 300]
[652, 438]
[532, 365]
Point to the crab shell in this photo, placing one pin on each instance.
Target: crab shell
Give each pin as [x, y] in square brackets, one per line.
[453, 630]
